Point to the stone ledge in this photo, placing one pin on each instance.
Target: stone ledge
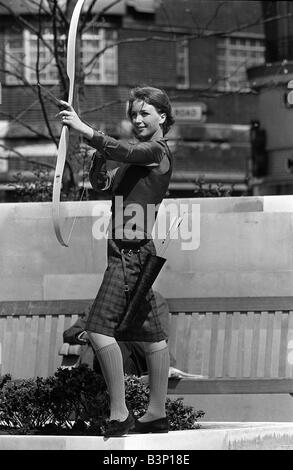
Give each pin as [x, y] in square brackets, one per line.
[211, 436]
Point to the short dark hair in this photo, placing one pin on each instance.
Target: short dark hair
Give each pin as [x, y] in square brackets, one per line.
[157, 98]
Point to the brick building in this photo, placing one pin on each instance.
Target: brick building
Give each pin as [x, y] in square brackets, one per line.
[273, 83]
[197, 50]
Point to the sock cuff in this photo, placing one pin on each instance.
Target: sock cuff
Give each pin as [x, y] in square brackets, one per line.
[105, 348]
[165, 348]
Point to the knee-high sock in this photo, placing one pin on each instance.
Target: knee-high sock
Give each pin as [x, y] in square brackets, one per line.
[158, 368]
[110, 359]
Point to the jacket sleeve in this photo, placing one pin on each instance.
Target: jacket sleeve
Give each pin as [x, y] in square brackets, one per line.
[142, 153]
[100, 178]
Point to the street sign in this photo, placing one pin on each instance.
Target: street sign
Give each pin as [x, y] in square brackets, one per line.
[288, 97]
[189, 112]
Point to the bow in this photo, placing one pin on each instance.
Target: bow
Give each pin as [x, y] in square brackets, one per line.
[64, 138]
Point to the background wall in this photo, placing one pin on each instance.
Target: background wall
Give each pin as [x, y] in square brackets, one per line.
[238, 247]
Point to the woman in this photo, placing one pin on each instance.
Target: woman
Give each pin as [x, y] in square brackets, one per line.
[138, 186]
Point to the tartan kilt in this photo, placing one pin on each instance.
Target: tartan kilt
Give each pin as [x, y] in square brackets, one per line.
[110, 303]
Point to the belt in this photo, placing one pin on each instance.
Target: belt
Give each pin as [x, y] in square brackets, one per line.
[130, 245]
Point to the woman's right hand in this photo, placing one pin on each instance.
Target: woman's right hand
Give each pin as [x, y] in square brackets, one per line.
[70, 118]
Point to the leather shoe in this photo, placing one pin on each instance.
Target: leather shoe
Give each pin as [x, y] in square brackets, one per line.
[157, 425]
[119, 428]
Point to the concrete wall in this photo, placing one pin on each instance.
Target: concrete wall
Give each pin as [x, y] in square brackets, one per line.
[237, 247]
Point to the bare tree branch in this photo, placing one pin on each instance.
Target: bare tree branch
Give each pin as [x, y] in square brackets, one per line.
[214, 16]
[239, 28]
[33, 89]
[105, 105]
[24, 124]
[189, 37]
[55, 8]
[25, 23]
[59, 63]
[86, 25]
[87, 15]
[37, 70]
[165, 10]
[128, 41]
[13, 73]
[37, 5]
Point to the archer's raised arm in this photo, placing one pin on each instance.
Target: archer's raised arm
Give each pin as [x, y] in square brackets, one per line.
[148, 153]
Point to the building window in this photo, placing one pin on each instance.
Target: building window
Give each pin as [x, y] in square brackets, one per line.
[100, 69]
[21, 52]
[182, 63]
[234, 56]
[14, 58]
[48, 72]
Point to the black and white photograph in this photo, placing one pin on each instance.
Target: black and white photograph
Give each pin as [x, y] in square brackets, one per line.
[146, 229]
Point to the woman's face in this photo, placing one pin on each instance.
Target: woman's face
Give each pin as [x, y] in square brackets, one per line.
[146, 120]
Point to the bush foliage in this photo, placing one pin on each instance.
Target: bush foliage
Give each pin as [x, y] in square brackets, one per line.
[39, 188]
[203, 189]
[75, 402]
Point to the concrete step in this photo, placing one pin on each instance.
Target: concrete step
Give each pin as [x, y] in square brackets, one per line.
[210, 436]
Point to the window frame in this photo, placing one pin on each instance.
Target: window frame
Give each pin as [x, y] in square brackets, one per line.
[229, 63]
[101, 36]
[184, 66]
[28, 51]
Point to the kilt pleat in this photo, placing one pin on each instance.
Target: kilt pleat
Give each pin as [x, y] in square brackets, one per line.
[110, 303]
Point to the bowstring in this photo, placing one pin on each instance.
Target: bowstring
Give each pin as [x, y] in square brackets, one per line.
[81, 197]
